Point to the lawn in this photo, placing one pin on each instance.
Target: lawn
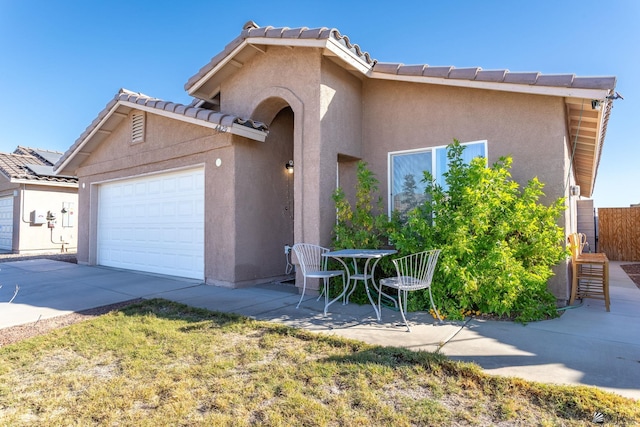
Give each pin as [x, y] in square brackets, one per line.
[160, 363]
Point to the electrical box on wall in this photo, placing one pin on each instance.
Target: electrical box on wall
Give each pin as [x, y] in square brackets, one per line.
[68, 214]
[38, 217]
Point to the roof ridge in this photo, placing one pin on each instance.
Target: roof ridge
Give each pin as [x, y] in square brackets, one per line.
[251, 29]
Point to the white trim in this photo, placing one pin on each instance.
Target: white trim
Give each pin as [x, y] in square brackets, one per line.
[434, 147]
[271, 41]
[195, 166]
[348, 56]
[45, 183]
[201, 81]
[330, 44]
[250, 41]
[500, 86]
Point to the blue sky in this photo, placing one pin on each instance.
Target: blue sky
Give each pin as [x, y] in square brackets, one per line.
[62, 61]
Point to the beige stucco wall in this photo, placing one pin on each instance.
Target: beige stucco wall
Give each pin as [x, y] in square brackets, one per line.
[264, 208]
[169, 144]
[529, 128]
[334, 119]
[269, 82]
[29, 237]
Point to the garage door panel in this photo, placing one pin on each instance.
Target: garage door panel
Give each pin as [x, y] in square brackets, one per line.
[154, 224]
[6, 223]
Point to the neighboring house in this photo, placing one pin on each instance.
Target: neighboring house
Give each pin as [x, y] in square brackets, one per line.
[37, 208]
[201, 191]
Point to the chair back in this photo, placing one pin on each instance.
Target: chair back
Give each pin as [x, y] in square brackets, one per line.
[577, 242]
[415, 271]
[310, 257]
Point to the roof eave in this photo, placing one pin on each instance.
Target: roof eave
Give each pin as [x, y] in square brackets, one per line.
[127, 106]
[235, 128]
[605, 112]
[58, 169]
[499, 86]
[44, 183]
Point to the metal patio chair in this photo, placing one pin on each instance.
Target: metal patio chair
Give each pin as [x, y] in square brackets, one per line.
[314, 266]
[414, 272]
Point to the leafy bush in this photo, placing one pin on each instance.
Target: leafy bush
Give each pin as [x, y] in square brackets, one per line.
[498, 242]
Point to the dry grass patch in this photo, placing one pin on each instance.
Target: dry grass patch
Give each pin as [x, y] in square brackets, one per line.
[161, 363]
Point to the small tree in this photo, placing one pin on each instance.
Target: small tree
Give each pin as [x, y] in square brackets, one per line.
[365, 227]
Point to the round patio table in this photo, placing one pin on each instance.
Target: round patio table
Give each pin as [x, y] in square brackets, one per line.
[371, 258]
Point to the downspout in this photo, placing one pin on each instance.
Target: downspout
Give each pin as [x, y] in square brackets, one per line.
[22, 197]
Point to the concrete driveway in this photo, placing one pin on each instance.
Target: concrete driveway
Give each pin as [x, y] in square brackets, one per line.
[586, 345]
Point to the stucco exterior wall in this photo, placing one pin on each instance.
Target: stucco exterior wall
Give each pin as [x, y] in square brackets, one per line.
[341, 127]
[34, 238]
[28, 237]
[285, 77]
[264, 203]
[169, 144]
[529, 128]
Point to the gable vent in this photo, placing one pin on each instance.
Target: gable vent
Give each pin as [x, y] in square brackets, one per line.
[137, 127]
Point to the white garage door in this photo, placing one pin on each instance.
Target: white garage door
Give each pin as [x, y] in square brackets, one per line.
[6, 223]
[153, 224]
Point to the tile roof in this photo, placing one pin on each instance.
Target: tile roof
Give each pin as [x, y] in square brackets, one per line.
[32, 164]
[191, 111]
[252, 30]
[497, 76]
[221, 121]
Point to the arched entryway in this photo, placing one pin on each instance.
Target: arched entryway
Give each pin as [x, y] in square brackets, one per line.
[265, 197]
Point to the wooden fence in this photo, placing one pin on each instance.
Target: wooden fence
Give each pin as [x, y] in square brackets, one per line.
[619, 233]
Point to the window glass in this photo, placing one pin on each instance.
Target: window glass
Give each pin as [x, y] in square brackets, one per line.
[407, 172]
[407, 187]
[470, 151]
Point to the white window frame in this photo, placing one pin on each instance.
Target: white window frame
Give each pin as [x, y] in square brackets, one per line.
[433, 150]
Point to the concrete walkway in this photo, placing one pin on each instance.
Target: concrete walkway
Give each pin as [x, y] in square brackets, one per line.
[586, 345]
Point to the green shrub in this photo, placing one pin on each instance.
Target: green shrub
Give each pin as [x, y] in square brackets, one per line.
[498, 242]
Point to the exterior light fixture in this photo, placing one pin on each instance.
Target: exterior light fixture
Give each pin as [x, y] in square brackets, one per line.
[289, 166]
[595, 104]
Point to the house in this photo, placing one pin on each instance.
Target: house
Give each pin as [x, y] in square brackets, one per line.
[202, 190]
[37, 208]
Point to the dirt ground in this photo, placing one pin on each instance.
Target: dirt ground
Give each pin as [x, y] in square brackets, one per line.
[633, 271]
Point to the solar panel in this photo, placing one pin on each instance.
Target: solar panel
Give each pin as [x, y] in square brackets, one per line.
[42, 170]
[49, 156]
